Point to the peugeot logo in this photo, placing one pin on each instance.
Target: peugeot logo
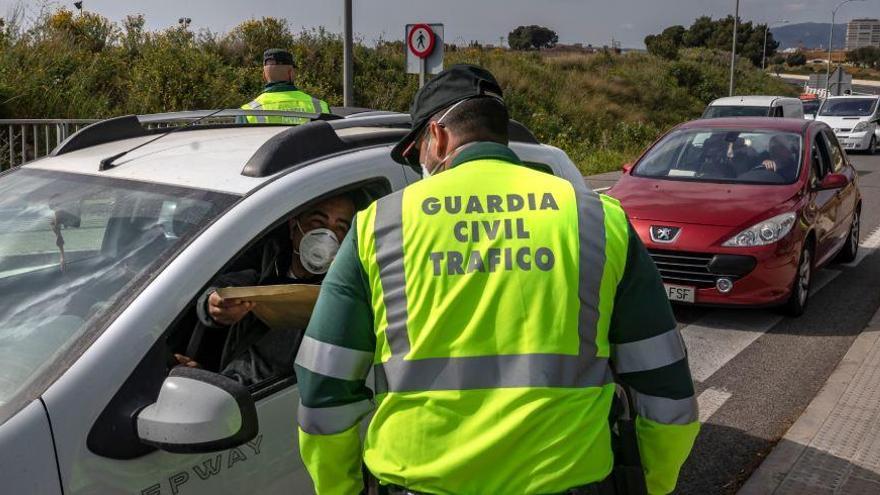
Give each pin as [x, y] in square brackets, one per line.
[664, 234]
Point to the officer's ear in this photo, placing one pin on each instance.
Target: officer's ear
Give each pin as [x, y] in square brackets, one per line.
[440, 135]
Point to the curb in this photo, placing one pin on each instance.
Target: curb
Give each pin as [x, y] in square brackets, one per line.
[774, 469]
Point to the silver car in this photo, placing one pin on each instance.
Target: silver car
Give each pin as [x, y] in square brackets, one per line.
[103, 255]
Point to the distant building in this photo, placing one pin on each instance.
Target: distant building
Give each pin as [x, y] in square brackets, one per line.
[862, 32]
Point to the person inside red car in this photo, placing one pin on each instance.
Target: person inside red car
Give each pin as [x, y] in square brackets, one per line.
[727, 157]
[782, 157]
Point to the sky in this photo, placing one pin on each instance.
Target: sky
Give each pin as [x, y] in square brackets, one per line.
[576, 21]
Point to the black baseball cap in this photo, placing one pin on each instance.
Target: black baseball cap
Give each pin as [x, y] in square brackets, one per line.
[457, 83]
[277, 56]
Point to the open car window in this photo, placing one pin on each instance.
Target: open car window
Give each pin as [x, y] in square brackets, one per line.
[250, 351]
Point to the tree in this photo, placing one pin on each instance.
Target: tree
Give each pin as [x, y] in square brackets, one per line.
[667, 43]
[532, 38]
[247, 41]
[715, 34]
[796, 59]
[867, 56]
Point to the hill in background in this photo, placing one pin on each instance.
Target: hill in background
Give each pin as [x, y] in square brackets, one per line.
[808, 35]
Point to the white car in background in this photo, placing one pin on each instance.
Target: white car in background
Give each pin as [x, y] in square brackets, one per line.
[755, 106]
[854, 120]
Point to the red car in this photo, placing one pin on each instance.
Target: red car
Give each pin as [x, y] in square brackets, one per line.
[743, 211]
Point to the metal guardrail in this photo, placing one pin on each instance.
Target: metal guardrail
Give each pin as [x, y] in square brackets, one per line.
[23, 140]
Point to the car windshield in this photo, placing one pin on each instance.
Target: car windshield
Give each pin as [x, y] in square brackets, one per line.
[724, 155]
[811, 106]
[848, 107]
[717, 111]
[74, 250]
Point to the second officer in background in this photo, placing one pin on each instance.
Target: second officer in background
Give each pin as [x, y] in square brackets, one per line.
[280, 92]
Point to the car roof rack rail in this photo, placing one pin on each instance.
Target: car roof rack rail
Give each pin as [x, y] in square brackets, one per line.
[132, 126]
[517, 132]
[305, 143]
[105, 131]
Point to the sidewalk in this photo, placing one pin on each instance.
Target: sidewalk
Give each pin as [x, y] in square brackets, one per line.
[834, 447]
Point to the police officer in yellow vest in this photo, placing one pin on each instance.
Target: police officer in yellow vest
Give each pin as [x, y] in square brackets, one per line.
[494, 304]
[280, 93]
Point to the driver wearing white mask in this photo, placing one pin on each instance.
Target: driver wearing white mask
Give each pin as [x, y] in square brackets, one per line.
[251, 352]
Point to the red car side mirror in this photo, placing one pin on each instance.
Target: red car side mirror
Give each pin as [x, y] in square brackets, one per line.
[834, 181]
[627, 167]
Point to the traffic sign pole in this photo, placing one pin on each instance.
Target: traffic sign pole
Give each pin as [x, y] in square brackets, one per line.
[422, 70]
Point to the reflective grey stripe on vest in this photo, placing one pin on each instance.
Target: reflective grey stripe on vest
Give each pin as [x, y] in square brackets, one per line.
[666, 411]
[332, 420]
[591, 265]
[648, 354]
[316, 103]
[256, 105]
[389, 257]
[504, 371]
[489, 372]
[332, 360]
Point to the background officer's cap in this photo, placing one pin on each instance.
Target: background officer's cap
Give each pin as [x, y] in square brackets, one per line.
[277, 56]
[459, 82]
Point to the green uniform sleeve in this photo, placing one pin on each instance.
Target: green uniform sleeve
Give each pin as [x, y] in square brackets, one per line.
[331, 368]
[649, 357]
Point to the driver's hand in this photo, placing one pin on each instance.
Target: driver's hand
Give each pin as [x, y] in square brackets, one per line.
[769, 165]
[228, 312]
[186, 361]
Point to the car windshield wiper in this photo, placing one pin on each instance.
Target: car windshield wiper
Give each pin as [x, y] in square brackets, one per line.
[107, 163]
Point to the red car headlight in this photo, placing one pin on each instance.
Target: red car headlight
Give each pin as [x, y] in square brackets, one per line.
[764, 233]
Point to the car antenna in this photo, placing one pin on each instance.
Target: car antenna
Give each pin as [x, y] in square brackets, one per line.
[107, 163]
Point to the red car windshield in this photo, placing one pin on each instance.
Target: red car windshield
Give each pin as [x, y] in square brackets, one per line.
[724, 155]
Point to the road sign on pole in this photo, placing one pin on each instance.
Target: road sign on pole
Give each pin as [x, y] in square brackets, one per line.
[424, 49]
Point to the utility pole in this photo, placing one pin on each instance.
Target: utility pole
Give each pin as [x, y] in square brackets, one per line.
[767, 28]
[733, 50]
[348, 61]
[831, 42]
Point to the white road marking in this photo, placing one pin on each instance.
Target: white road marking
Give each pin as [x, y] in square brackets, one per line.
[710, 401]
[601, 189]
[867, 247]
[719, 336]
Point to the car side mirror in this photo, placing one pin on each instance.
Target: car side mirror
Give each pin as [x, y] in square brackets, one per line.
[198, 411]
[833, 181]
[627, 168]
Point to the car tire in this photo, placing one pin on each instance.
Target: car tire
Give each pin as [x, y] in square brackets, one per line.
[800, 286]
[850, 249]
[872, 146]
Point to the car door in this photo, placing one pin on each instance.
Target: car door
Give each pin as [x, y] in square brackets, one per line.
[823, 205]
[269, 463]
[846, 197]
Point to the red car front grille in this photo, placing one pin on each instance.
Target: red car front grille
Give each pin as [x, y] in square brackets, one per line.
[679, 267]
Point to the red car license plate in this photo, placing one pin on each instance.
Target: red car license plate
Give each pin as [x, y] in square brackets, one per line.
[681, 293]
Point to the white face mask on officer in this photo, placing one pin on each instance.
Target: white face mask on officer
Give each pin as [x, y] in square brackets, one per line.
[317, 249]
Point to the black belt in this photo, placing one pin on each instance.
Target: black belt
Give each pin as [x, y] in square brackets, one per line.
[604, 487]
